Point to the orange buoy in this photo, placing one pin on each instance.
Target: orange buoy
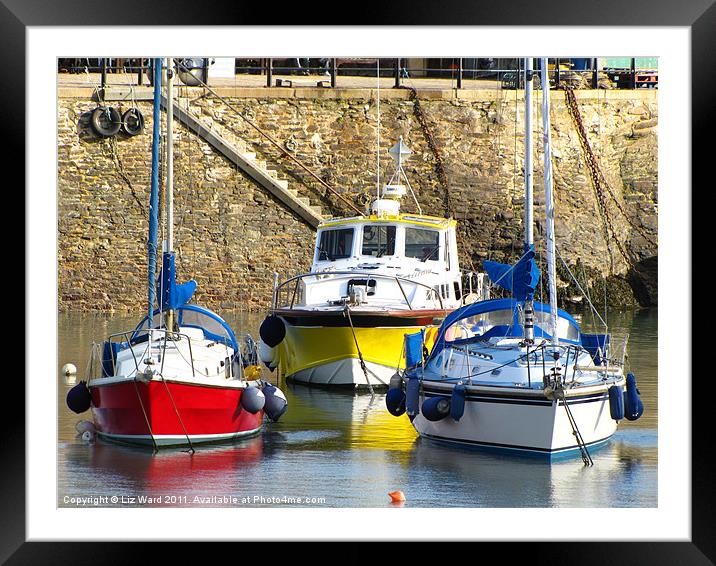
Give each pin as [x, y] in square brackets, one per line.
[397, 496]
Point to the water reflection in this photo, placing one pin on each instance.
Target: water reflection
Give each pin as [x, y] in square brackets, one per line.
[127, 471]
[621, 469]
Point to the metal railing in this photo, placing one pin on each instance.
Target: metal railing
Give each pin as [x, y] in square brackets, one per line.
[296, 280]
[458, 72]
[127, 337]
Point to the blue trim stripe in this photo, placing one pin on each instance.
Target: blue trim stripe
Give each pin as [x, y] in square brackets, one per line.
[539, 400]
[516, 448]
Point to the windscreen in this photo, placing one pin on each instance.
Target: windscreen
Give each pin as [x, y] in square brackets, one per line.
[422, 244]
[378, 240]
[335, 244]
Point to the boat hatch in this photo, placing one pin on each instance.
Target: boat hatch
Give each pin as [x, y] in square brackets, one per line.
[369, 284]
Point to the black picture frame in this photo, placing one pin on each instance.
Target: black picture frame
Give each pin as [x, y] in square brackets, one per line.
[698, 15]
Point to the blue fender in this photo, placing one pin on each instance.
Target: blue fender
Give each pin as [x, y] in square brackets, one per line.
[412, 396]
[633, 406]
[616, 402]
[395, 402]
[436, 408]
[457, 401]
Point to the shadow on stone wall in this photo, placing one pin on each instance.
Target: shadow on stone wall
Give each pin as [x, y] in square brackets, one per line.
[636, 288]
[643, 279]
[84, 129]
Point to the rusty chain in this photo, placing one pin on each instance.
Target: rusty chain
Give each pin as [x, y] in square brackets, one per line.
[439, 166]
[600, 183]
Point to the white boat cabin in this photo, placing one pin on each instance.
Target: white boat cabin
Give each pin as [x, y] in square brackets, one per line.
[384, 261]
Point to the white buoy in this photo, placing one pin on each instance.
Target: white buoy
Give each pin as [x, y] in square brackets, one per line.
[69, 374]
[88, 436]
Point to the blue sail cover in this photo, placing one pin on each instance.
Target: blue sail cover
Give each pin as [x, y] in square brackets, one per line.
[173, 296]
[521, 279]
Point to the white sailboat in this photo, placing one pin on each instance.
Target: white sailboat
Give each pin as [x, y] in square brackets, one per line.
[514, 374]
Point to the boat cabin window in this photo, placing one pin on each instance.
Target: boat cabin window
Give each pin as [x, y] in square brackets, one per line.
[565, 329]
[422, 244]
[480, 324]
[335, 244]
[378, 240]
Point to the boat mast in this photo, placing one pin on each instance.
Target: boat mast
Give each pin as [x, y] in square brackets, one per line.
[170, 174]
[529, 222]
[549, 204]
[170, 157]
[154, 193]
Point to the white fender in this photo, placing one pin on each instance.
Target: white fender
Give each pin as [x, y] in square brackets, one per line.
[84, 426]
[267, 354]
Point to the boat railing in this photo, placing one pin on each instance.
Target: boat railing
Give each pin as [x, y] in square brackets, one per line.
[126, 336]
[535, 359]
[284, 288]
[95, 360]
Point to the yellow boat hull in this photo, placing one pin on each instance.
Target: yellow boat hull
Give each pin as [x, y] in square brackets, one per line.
[329, 355]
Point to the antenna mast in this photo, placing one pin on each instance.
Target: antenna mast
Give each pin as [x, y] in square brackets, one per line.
[529, 205]
[549, 204]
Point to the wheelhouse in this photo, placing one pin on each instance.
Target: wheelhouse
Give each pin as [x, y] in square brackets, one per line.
[421, 239]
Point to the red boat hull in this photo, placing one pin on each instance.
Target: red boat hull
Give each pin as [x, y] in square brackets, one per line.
[166, 412]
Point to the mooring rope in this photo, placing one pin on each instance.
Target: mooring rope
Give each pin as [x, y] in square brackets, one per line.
[181, 422]
[282, 149]
[144, 412]
[347, 312]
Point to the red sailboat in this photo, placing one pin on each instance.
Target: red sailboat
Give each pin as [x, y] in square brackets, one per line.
[180, 377]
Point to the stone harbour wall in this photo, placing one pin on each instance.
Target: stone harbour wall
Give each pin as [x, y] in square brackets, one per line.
[231, 235]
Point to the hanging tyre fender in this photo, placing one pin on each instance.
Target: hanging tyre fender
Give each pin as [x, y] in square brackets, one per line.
[105, 121]
[132, 122]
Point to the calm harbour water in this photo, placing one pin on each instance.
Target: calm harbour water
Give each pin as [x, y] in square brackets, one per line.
[341, 450]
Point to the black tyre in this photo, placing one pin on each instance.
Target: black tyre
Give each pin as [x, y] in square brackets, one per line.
[106, 121]
[132, 122]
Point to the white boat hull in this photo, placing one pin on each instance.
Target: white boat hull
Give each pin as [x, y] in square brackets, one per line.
[509, 420]
[347, 373]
